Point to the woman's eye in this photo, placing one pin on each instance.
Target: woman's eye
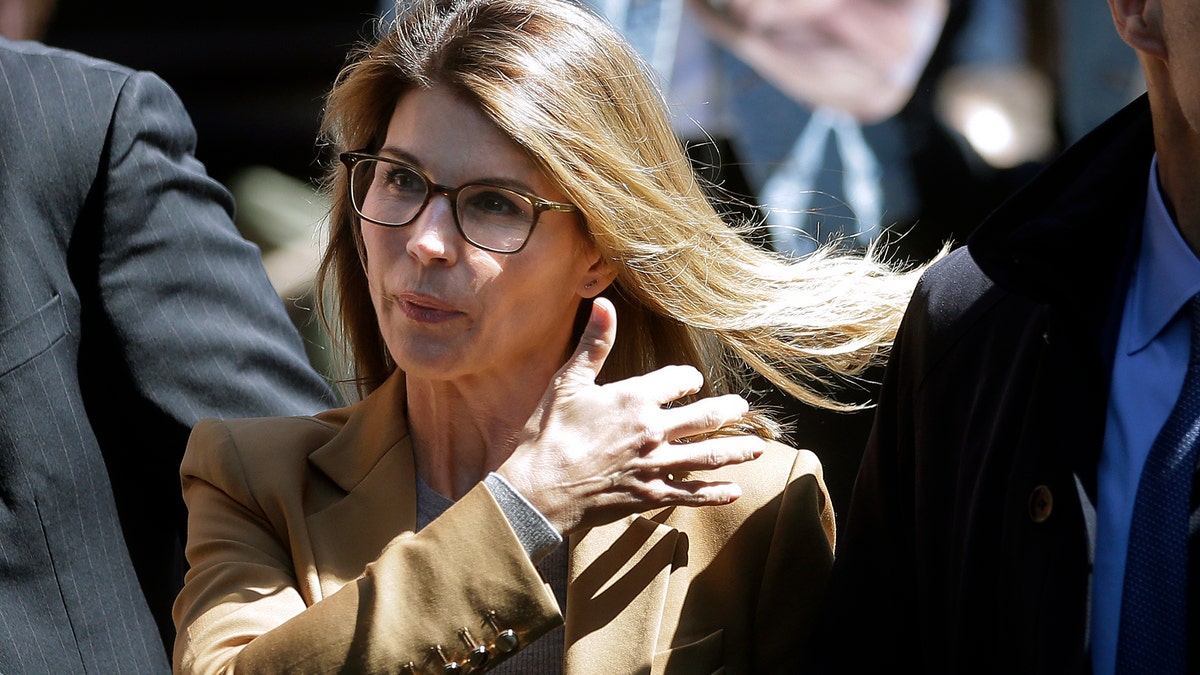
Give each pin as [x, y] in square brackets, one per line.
[495, 203]
[399, 178]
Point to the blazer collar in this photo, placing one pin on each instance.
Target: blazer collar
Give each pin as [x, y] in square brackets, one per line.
[372, 427]
[1064, 234]
[371, 462]
[617, 576]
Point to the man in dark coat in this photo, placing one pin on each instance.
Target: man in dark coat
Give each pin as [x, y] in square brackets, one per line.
[130, 308]
[989, 524]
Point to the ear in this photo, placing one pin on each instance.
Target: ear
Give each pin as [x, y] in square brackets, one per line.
[598, 277]
[1139, 23]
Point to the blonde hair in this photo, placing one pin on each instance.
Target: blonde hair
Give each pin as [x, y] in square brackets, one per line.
[689, 288]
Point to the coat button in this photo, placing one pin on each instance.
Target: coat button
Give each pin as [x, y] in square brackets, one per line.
[1041, 503]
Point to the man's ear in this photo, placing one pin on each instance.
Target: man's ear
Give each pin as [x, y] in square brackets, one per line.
[599, 275]
[1139, 23]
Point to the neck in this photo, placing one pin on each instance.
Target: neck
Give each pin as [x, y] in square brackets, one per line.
[462, 430]
[1177, 143]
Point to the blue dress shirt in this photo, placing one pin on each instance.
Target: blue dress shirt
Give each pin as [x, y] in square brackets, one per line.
[1148, 369]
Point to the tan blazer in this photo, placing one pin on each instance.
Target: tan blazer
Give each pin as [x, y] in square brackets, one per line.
[303, 559]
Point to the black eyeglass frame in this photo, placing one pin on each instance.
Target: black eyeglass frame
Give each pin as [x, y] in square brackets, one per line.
[351, 159]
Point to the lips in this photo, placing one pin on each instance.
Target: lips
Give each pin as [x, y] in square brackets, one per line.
[425, 308]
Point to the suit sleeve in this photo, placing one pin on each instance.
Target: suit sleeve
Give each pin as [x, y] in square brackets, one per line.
[246, 607]
[197, 322]
[179, 320]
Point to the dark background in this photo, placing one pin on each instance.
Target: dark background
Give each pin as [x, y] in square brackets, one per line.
[252, 73]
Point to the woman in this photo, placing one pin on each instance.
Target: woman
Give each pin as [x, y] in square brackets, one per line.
[509, 186]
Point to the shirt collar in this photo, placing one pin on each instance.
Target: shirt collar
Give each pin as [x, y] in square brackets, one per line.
[1167, 273]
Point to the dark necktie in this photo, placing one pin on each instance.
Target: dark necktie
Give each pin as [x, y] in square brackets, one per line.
[1154, 603]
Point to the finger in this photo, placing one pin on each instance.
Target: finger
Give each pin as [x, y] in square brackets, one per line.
[698, 493]
[711, 453]
[704, 416]
[664, 385]
[594, 345]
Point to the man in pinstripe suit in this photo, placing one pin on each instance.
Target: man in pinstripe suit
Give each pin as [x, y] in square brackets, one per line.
[130, 308]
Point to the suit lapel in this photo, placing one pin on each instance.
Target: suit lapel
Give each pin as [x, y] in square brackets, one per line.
[617, 592]
[371, 499]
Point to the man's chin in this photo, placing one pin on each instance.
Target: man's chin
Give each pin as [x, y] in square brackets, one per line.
[860, 92]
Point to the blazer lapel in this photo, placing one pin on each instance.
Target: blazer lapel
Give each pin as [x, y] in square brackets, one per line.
[618, 575]
[370, 464]
[616, 594]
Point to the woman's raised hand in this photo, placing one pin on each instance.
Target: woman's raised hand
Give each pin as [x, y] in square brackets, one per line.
[592, 454]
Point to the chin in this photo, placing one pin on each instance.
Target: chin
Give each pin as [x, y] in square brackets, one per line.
[429, 361]
[878, 109]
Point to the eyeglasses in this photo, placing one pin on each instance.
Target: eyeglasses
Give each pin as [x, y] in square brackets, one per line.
[392, 193]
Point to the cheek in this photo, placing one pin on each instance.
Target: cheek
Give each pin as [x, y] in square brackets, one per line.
[385, 252]
[538, 293]
[380, 244]
[902, 56]
[371, 255]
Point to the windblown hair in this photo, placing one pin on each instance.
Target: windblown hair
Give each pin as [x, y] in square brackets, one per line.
[689, 289]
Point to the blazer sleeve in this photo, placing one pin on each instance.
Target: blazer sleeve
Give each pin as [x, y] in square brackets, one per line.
[797, 568]
[246, 605]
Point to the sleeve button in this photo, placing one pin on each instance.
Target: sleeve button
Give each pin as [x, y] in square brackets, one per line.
[478, 657]
[507, 641]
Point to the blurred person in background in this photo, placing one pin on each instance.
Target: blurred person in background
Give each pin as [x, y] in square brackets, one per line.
[130, 308]
[808, 108]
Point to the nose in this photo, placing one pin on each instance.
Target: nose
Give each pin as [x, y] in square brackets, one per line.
[433, 236]
[762, 15]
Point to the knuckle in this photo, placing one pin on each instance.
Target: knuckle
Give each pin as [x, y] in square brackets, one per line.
[714, 457]
[712, 419]
[651, 437]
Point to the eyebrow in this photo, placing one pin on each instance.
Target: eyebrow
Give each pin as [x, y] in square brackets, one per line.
[504, 182]
[396, 153]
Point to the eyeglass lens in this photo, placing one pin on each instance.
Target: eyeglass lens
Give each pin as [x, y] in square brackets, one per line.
[395, 194]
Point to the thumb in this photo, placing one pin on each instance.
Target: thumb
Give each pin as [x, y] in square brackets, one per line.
[594, 345]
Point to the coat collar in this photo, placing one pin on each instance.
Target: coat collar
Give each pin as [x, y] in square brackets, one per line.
[1068, 240]
[1064, 235]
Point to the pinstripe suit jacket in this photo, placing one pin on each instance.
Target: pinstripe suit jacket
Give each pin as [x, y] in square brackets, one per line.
[130, 308]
